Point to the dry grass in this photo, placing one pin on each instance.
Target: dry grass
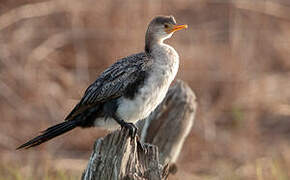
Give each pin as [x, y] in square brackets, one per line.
[235, 56]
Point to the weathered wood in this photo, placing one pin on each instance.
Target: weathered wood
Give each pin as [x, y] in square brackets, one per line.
[169, 125]
[117, 156]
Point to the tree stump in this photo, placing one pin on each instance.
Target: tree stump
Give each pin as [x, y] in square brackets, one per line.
[153, 156]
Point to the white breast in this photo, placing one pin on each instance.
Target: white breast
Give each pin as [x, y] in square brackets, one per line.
[164, 69]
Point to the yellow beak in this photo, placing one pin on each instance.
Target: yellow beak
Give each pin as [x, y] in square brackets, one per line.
[177, 28]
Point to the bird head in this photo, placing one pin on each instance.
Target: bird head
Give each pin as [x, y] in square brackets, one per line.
[162, 27]
[159, 29]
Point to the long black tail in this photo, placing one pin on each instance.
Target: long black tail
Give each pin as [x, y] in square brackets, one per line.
[50, 133]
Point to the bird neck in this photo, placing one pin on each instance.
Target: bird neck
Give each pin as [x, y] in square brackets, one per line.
[151, 41]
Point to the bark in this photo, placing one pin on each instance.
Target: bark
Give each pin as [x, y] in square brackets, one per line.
[162, 135]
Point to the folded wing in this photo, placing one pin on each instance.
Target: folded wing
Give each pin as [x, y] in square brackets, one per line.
[113, 82]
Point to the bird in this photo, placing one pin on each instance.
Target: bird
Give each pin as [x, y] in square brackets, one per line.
[127, 91]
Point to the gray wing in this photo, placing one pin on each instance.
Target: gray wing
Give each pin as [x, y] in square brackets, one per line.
[113, 82]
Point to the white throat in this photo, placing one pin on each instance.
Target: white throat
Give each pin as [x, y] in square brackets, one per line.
[165, 54]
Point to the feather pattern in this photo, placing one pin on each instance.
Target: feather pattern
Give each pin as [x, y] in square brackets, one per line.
[113, 82]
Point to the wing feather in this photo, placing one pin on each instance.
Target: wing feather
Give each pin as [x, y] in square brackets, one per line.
[113, 82]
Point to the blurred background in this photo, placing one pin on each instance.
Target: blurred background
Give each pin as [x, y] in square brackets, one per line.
[234, 55]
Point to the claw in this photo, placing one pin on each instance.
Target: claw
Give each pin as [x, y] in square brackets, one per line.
[132, 129]
[141, 145]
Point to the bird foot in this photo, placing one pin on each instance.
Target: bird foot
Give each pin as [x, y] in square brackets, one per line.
[132, 129]
[141, 145]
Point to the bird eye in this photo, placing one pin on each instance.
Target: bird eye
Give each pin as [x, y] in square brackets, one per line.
[166, 25]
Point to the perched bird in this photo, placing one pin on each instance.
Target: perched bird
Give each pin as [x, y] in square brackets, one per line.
[127, 91]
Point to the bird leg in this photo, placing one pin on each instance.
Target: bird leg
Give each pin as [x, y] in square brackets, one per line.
[132, 127]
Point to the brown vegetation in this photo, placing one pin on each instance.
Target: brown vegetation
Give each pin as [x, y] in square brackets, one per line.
[235, 56]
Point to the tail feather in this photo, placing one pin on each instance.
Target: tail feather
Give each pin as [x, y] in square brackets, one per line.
[50, 133]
